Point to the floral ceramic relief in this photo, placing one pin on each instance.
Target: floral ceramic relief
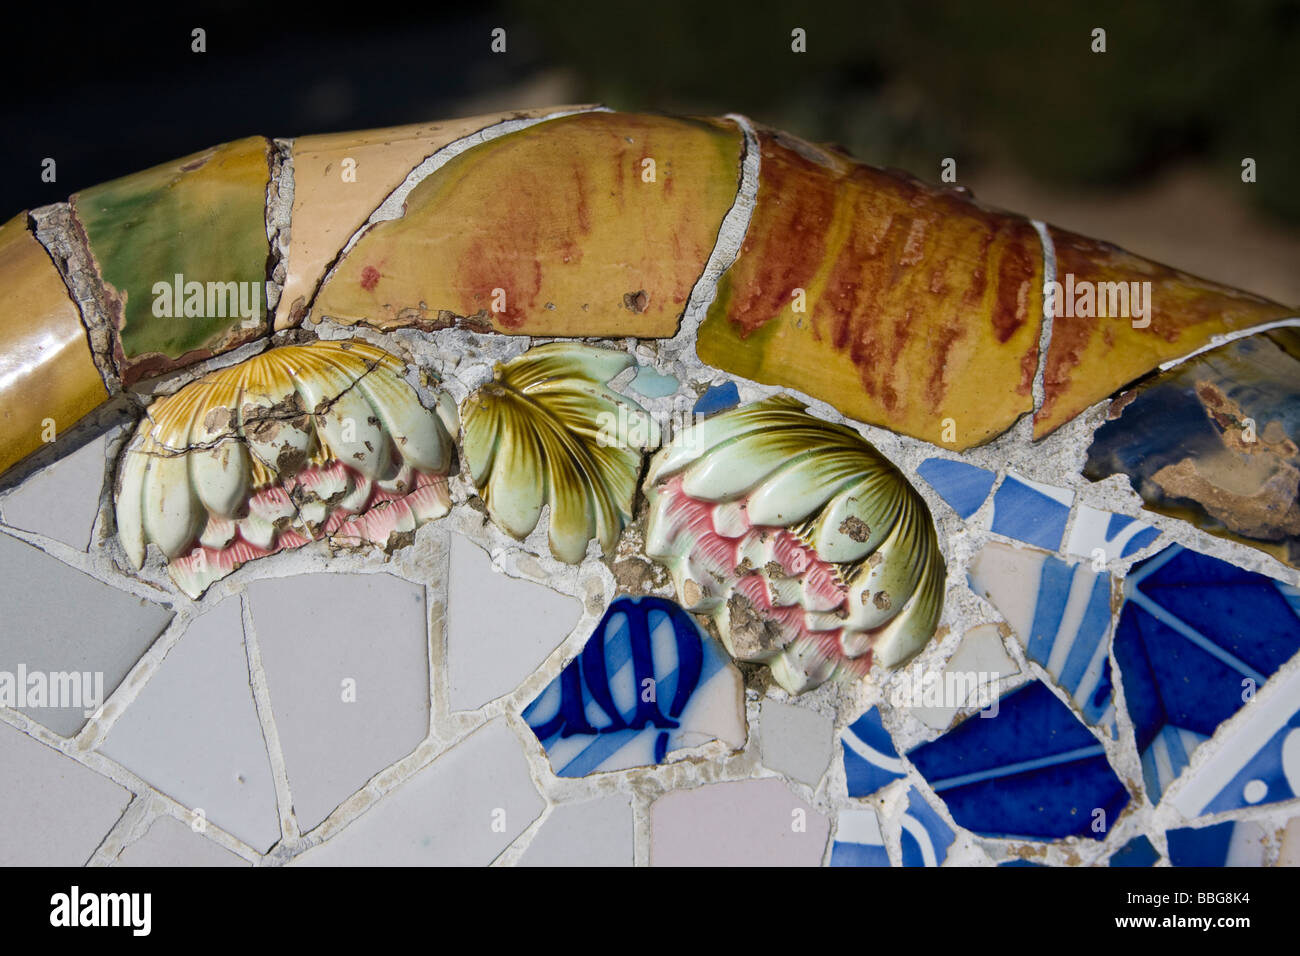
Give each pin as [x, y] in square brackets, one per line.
[548, 431]
[294, 444]
[810, 551]
[713, 421]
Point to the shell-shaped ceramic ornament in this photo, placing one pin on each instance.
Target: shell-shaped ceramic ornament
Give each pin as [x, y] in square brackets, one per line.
[547, 430]
[295, 444]
[810, 551]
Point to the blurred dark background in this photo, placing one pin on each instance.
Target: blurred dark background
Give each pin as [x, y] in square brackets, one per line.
[1141, 144]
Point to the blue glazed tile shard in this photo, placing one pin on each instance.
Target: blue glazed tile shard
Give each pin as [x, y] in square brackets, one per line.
[647, 683]
[1115, 535]
[1060, 614]
[718, 398]
[1032, 771]
[963, 486]
[870, 759]
[925, 839]
[654, 384]
[1136, 852]
[1031, 512]
[1258, 764]
[1224, 844]
[858, 840]
[1196, 638]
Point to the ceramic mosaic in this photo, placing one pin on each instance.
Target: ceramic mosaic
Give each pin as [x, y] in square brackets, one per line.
[586, 488]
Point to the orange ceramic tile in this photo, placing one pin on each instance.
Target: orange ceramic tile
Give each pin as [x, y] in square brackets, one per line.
[1092, 355]
[903, 305]
[333, 197]
[594, 224]
[48, 379]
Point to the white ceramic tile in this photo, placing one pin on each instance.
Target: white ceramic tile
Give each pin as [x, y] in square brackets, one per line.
[749, 823]
[462, 810]
[499, 628]
[795, 741]
[61, 501]
[980, 660]
[1289, 851]
[57, 620]
[347, 664]
[194, 734]
[169, 842]
[53, 811]
[595, 833]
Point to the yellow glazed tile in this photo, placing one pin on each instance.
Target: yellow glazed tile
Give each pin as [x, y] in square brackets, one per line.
[333, 197]
[903, 305]
[594, 224]
[48, 379]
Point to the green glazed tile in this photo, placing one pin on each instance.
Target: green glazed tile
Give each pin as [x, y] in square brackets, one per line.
[202, 218]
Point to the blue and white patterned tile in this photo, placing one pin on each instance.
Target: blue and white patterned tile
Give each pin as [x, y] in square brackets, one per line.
[1031, 511]
[718, 398]
[1032, 770]
[858, 840]
[1136, 852]
[926, 838]
[870, 759]
[1113, 535]
[1234, 843]
[1258, 764]
[1060, 614]
[1197, 637]
[963, 486]
[647, 683]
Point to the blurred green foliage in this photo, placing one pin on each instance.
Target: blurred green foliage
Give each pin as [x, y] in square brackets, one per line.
[903, 83]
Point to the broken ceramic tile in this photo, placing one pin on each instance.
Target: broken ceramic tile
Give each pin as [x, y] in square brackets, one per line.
[169, 842]
[298, 443]
[809, 549]
[647, 683]
[595, 833]
[1101, 340]
[925, 838]
[1136, 852]
[1197, 637]
[903, 305]
[1234, 843]
[48, 377]
[970, 677]
[499, 629]
[870, 758]
[1060, 613]
[61, 501]
[1214, 442]
[962, 485]
[67, 640]
[746, 823]
[1102, 536]
[1030, 770]
[546, 231]
[464, 809]
[182, 250]
[344, 708]
[1031, 511]
[548, 431]
[53, 810]
[858, 840]
[1258, 764]
[717, 398]
[795, 741]
[653, 384]
[193, 732]
[338, 181]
